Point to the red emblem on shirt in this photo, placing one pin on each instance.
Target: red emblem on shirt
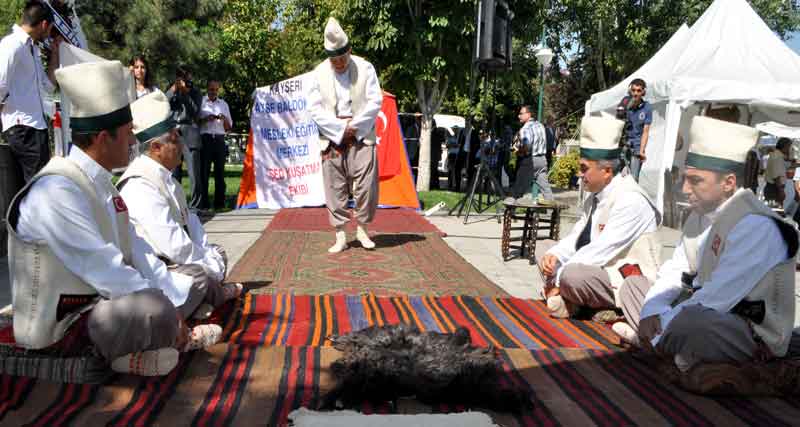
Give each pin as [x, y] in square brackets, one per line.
[119, 204]
[601, 227]
[716, 244]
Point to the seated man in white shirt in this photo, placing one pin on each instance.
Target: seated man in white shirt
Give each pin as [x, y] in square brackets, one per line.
[158, 205]
[727, 294]
[74, 254]
[612, 240]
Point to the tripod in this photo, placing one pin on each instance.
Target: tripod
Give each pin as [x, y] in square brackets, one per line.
[484, 173]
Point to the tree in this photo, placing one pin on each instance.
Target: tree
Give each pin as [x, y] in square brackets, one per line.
[10, 13]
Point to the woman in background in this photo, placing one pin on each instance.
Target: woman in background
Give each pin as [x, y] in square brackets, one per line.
[140, 72]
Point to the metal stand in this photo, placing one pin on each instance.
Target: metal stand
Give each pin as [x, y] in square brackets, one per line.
[483, 174]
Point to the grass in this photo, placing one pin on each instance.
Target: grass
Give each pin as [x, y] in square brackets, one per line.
[429, 199]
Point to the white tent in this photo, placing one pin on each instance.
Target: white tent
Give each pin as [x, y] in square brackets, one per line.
[728, 56]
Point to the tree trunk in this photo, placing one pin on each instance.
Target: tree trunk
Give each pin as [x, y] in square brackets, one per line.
[424, 169]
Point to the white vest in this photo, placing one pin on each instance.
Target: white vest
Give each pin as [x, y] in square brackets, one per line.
[47, 297]
[178, 209]
[358, 92]
[645, 251]
[776, 288]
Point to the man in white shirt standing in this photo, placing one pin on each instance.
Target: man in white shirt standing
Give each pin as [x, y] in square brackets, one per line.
[345, 101]
[727, 294]
[613, 239]
[157, 203]
[22, 79]
[215, 121]
[73, 253]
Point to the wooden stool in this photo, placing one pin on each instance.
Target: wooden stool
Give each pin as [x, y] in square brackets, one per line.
[533, 219]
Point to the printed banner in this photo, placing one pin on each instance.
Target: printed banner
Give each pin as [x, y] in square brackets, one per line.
[286, 157]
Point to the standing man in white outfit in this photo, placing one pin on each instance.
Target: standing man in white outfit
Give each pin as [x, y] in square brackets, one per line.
[73, 252]
[157, 203]
[727, 294]
[613, 239]
[345, 101]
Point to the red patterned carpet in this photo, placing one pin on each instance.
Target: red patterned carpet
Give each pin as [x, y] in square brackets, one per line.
[386, 221]
[401, 264]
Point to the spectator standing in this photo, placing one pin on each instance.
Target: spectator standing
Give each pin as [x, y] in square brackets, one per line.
[215, 122]
[552, 141]
[531, 162]
[639, 116]
[185, 101]
[775, 174]
[141, 75]
[22, 79]
[437, 139]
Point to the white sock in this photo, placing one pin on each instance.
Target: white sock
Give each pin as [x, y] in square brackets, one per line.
[363, 237]
[341, 241]
[151, 363]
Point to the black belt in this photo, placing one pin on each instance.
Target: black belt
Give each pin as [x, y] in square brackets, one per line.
[539, 155]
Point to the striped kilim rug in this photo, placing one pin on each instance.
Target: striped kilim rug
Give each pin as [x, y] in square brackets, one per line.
[275, 359]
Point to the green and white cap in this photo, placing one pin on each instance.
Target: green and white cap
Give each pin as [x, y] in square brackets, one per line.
[98, 93]
[152, 116]
[600, 138]
[336, 41]
[718, 145]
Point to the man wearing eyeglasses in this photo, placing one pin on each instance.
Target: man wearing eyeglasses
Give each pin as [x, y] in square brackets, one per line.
[637, 125]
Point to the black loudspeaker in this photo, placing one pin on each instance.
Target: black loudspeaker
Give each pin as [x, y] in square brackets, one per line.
[493, 38]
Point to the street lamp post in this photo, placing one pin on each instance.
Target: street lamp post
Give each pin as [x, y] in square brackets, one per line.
[544, 55]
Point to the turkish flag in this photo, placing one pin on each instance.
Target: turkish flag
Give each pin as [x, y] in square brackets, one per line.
[390, 141]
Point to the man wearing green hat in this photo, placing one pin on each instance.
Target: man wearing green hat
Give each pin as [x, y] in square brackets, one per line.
[77, 265]
[614, 237]
[728, 293]
[158, 208]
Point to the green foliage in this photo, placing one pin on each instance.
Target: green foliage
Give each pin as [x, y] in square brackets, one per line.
[564, 169]
[10, 13]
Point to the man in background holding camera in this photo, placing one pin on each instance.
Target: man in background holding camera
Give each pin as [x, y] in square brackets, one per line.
[22, 78]
[638, 115]
[185, 101]
[531, 160]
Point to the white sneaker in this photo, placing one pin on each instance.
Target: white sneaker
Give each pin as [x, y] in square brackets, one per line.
[363, 237]
[151, 363]
[559, 308]
[203, 312]
[626, 332]
[341, 242]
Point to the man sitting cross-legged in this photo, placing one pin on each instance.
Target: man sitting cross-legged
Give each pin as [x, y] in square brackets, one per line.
[727, 293]
[612, 239]
[73, 254]
[158, 206]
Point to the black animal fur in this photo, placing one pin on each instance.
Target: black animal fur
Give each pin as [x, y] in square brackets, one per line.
[382, 364]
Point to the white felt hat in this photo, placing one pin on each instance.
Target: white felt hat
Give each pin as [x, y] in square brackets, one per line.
[152, 116]
[336, 41]
[98, 94]
[719, 145]
[600, 138]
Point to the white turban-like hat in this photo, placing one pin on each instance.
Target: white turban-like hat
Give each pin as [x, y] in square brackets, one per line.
[98, 93]
[152, 116]
[600, 137]
[336, 41]
[719, 145]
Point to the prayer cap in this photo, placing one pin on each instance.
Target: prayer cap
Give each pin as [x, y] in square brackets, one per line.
[152, 116]
[719, 145]
[98, 93]
[600, 138]
[336, 41]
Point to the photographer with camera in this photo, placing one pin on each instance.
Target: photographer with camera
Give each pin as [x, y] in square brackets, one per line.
[215, 122]
[638, 115]
[22, 78]
[531, 148]
[185, 101]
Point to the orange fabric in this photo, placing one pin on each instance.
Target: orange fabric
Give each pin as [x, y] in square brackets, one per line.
[396, 187]
[247, 187]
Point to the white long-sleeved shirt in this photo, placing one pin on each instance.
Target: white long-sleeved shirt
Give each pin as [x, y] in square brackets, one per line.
[213, 108]
[57, 212]
[22, 79]
[533, 135]
[630, 217]
[150, 210]
[753, 247]
[332, 127]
